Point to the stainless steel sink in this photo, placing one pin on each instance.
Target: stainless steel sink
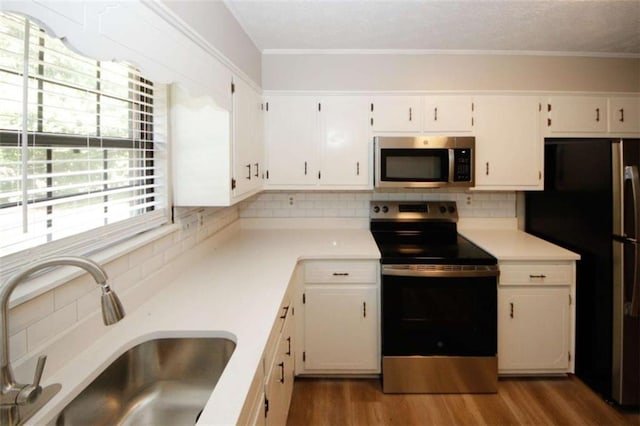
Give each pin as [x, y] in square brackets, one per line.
[159, 382]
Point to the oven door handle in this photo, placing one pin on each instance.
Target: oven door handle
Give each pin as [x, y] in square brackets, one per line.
[441, 271]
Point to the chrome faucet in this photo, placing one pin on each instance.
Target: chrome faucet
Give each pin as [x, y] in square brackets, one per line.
[19, 401]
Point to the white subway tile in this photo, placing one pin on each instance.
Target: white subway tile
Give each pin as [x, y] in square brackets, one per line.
[72, 290]
[30, 312]
[50, 326]
[89, 303]
[18, 345]
[162, 244]
[152, 264]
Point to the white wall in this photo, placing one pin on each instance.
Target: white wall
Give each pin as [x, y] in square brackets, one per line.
[448, 72]
[213, 21]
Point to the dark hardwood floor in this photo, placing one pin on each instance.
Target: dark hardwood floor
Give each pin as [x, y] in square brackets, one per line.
[534, 401]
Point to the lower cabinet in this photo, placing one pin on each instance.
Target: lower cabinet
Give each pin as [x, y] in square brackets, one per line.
[535, 318]
[279, 382]
[267, 402]
[338, 321]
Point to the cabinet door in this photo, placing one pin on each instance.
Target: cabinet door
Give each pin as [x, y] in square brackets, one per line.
[448, 114]
[247, 139]
[533, 329]
[624, 115]
[345, 141]
[396, 114]
[576, 114]
[509, 147]
[291, 126]
[340, 328]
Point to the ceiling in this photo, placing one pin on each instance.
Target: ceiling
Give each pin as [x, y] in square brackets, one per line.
[579, 27]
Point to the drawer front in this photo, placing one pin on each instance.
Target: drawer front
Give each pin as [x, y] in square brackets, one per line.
[536, 273]
[348, 271]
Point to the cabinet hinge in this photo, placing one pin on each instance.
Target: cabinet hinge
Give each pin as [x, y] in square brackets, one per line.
[539, 107]
[539, 175]
[233, 184]
[372, 121]
[304, 298]
[267, 106]
[548, 122]
[569, 353]
[304, 356]
[473, 106]
[472, 123]
[548, 107]
[319, 106]
[570, 300]
[293, 311]
[319, 175]
[266, 406]
[267, 174]
[233, 88]
[371, 107]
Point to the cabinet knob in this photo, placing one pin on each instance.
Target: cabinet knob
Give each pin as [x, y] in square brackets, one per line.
[621, 111]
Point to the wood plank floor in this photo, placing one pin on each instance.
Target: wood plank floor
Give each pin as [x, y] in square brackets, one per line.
[549, 401]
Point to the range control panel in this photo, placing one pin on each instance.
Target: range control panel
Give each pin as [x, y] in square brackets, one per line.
[414, 210]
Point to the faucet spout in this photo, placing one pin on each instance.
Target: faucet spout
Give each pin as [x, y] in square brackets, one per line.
[13, 394]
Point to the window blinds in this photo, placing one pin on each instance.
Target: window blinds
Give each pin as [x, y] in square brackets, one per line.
[82, 148]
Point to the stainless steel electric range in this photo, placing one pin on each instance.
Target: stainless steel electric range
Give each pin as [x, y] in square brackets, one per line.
[439, 301]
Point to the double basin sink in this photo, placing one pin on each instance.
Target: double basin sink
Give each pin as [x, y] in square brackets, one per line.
[163, 381]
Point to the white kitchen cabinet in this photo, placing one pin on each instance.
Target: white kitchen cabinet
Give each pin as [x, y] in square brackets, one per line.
[575, 115]
[509, 146]
[345, 141]
[624, 115]
[318, 143]
[291, 124]
[396, 114]
[448, 114]
[535, 318]
[279, 382]
[248, 147]
[340, 318]
[214, 150]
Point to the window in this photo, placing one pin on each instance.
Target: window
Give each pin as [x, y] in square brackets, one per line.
[79, 147]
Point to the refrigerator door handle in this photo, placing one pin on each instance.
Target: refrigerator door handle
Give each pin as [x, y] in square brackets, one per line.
[631, 174]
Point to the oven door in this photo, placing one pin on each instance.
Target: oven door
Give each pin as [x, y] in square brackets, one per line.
[439, 332]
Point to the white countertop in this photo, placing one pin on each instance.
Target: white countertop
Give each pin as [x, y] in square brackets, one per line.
[512, 244]
[234, 289]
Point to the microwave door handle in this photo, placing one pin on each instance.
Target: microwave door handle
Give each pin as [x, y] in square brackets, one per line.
[452, 158]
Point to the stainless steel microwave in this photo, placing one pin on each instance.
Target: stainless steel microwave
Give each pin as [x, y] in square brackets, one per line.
[424, 161]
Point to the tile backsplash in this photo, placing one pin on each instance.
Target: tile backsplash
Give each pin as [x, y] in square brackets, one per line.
[356, 204]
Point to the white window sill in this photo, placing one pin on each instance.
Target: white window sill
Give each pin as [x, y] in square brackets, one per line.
[42, 283]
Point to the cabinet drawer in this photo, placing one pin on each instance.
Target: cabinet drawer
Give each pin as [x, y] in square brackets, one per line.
[536, 273]
[351, 271]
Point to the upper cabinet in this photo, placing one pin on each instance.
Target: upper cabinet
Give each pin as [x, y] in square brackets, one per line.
[509, 147]
[248, 148]
[576, 114]
[624, 115]
[585, 116]
[446, 114]
[317, 142]
[422, 114]
[216, 153]
[291, 135]
[396, 114]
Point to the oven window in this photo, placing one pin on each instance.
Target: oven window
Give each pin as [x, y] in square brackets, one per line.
[439, 316]
[419, 165]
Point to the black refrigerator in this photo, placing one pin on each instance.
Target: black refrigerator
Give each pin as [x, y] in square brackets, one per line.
[590, 206]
